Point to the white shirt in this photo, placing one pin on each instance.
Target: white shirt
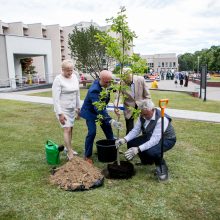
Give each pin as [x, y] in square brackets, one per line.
[65, 92]
[156, 135]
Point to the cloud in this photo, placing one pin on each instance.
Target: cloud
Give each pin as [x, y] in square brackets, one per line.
[154, 4]
[212, 10]
[161, 25]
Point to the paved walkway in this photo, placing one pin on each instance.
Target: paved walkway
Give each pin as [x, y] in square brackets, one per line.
[212, 93]
[175, 113]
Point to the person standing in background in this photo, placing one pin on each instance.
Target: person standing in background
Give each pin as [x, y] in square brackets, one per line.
[181, 78]
[176, 77]
[66, 100]
[186, 77]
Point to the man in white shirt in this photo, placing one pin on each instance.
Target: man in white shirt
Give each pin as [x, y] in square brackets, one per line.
[148, 145]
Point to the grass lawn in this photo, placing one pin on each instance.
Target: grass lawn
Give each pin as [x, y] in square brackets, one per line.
[191, 193]
[214, 79]
[181, 100]
[177, 100]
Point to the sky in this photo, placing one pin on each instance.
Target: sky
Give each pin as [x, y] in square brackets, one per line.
[162, 26]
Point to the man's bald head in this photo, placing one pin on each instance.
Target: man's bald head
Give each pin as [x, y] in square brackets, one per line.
[105, 74]
[105, 78]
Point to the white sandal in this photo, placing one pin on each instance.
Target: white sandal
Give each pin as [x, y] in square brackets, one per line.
[74, 152]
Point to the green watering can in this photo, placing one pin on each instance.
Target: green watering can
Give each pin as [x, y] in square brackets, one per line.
[52, 152]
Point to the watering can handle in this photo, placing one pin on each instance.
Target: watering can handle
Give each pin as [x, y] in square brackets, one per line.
[49, 142]
[163, 106]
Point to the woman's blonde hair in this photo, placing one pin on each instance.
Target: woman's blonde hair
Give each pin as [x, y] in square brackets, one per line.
[66, 64]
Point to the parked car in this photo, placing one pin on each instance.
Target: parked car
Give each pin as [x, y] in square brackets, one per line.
[149, 77]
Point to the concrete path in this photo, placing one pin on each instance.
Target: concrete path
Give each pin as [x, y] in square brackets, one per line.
[212, 93]
[175, 113]
[26, 98]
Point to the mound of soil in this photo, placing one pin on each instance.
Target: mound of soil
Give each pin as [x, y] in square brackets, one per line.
[77, 174]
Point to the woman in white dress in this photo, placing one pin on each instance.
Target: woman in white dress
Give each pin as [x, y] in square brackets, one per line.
[66, 99]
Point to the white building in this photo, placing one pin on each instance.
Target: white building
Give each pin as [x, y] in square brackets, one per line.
[18, 41]
[162, 62]
[46, 45]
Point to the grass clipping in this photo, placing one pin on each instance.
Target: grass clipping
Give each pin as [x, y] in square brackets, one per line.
[77, 174]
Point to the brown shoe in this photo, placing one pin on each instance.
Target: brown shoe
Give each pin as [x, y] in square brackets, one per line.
[89, 160]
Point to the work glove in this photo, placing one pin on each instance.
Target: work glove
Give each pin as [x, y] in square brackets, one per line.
[119, 142]
[116, 124]
[131, 152]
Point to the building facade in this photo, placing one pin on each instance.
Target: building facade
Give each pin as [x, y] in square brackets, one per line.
[46, 45]
[17, 43]
[162, 62]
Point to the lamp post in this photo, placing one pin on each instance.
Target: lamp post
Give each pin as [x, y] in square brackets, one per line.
[200, 77]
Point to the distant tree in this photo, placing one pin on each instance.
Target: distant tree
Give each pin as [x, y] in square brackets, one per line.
[186, 62]
[138, 65]
[89, 54]
[117, 70]
[209, 57]
[214, 62]
[26, 66]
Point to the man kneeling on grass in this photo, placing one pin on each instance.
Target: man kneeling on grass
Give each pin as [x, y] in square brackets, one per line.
[148, 145]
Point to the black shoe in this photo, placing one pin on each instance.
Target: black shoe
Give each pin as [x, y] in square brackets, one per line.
[162, 172]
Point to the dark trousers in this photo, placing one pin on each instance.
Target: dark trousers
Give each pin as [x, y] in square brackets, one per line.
[129, 126]
[91, 125]
[152, 155]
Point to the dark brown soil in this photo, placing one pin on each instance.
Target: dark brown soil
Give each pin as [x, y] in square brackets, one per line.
[77, 174]
[124, 171]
